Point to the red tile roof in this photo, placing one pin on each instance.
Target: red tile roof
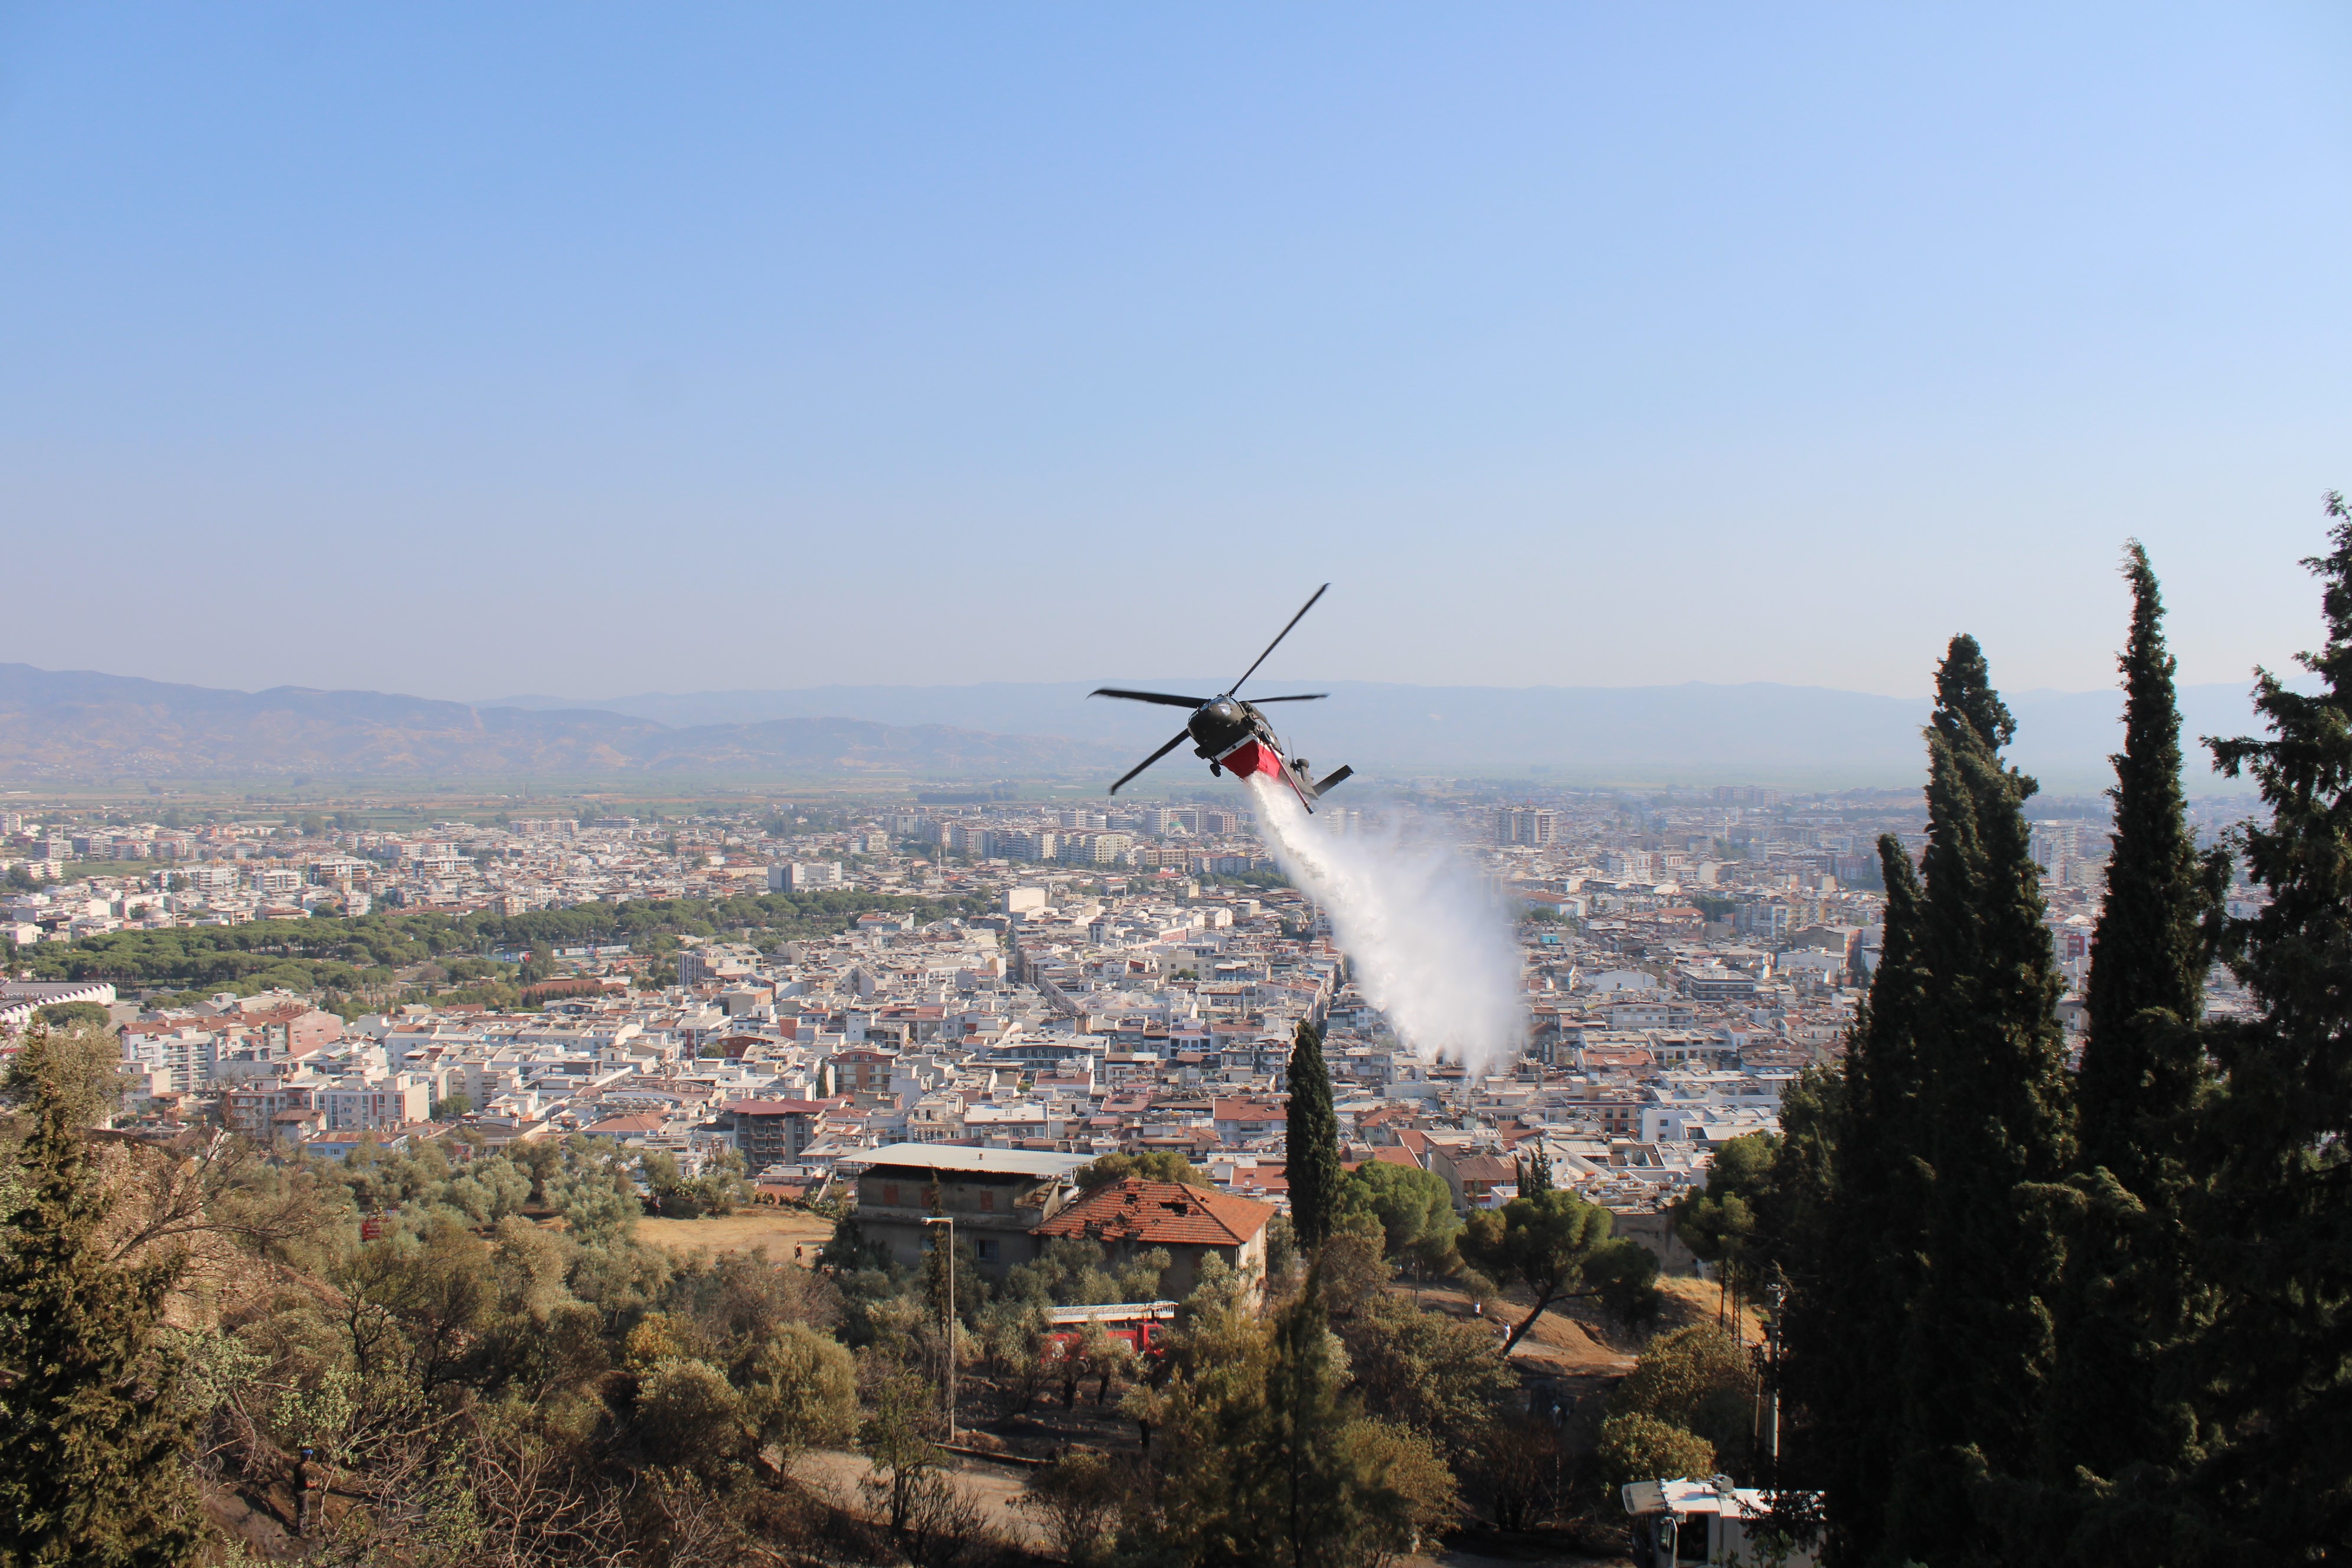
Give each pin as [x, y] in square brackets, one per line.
[1160, 1213]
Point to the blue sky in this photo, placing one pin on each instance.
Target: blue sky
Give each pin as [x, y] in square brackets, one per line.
[466, 349]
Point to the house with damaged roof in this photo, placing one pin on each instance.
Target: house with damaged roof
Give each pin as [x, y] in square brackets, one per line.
[1193, 1224]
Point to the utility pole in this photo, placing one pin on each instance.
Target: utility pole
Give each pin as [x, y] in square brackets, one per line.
[1767, 1357]
[948, 1389]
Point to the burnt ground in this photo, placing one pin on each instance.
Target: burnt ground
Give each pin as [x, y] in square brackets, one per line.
[988, 1423]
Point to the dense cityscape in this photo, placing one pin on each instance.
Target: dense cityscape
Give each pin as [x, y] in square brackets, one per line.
[1683, 957]
[662, 900]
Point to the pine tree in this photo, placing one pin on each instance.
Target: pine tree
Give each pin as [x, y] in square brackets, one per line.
[1312, 1148]
[2281, 1229]
[1997, 1126]
[1846, 1225]
[2131, 1298]
[93, 1467]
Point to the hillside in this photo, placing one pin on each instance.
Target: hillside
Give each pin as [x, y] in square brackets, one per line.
[79, 724]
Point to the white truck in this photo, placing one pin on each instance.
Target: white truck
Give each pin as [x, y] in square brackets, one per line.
[1711, 1522]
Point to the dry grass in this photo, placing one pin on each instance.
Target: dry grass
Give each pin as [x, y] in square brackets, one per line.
[1557, 1341]
[1692, 1300]
[777, 1229]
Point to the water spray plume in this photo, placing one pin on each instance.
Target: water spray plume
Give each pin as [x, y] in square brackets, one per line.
[1426, 944]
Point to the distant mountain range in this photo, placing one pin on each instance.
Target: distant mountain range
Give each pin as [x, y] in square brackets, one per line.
[76, 723]
[71, 724]
[1797, 736]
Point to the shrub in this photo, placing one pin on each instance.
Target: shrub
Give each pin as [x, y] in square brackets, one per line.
[1076, 1499]
[1699, 1379]
[1638, 1447]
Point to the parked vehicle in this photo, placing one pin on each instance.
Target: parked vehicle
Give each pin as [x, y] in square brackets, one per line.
[1711, 1522]
[1142, 1325]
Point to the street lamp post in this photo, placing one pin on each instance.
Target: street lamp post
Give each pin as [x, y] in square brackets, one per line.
[948, 1391]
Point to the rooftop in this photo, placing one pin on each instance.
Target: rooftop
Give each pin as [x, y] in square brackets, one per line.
[961, 1157]
[1155, 1214]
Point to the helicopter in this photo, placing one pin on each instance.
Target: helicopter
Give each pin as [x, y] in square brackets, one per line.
[1232, 734]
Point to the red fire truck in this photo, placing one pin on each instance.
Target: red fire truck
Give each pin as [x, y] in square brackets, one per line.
[1142, 1325]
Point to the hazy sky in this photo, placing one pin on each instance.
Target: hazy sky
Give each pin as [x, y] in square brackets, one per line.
[466, 349]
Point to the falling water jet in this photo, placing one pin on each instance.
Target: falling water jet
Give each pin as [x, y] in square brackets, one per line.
[1427, 946]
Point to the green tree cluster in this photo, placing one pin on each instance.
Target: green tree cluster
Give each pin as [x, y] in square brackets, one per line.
[1413, 1208]
[342, 953]
[1265, 1458]
[2097, 1317]
[1151, 1165]
[722, 1184]
[475, 1385]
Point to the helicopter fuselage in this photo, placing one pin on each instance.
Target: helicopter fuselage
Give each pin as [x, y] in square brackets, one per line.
[1237, 737]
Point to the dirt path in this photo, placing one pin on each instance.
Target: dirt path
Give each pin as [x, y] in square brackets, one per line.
[998, 1487]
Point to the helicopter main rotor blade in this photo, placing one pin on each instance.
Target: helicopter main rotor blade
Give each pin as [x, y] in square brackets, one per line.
[1276, 643]
[1165, 698]
[1181, 736]
[1308, 697]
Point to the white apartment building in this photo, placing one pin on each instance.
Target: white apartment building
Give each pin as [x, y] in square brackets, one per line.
[1025, 844]
[183, 1056]
[368, 1103]
[802, 877]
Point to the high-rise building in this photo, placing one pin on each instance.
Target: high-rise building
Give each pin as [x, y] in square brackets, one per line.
[1025, 843]
[1526, 825]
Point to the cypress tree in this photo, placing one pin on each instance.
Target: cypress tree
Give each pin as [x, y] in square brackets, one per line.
[2140, 1071]
[1998, 1125]
[1846, 1224]
[93, 1469]
[2131, 1298]
[2281, 1229]
[1312, 1146]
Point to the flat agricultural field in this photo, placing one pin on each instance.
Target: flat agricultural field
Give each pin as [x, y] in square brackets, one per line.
[777, 1230]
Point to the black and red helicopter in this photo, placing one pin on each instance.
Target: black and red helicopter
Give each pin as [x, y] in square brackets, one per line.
[1232, 734]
